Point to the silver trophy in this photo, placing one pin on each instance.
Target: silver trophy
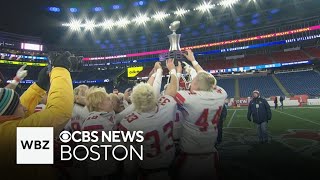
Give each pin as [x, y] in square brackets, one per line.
[174, 39]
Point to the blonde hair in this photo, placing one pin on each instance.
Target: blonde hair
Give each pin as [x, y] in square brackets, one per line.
[205, 81]
[114, 97]
[120, 96]
[94, 89]
[79, 88]
[143, 98]
[94, 97]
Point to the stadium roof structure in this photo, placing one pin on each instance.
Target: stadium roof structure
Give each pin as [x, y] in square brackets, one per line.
[124, 24]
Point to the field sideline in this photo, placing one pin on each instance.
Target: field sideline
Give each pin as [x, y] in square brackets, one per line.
[294, 144]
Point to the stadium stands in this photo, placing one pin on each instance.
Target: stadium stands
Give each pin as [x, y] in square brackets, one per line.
[265, 84]
[254, 60]
[216, 64]
[289, 56]
[228, 85]
[94, 75]
[145, 72]
[313, 51]
[17, 55]
[10, 73]
[307, 82]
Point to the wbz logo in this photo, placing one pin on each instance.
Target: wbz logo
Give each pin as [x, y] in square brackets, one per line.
[34, 145]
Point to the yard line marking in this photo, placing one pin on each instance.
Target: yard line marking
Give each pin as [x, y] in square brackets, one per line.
[298, 117]
[232, 118]
[246, 109]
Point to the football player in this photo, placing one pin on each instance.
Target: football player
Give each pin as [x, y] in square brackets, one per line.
[201, 108]
[155, 118]
[101, 118]
[80, 111]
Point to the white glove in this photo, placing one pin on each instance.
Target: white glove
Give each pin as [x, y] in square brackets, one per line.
[20, 75]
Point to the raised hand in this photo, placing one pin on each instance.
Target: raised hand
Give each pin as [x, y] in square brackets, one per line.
[21, 73]
[189, 55]
[179, 67]
[170, 64]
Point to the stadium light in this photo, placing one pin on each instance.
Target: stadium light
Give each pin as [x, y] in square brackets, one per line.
[89, 25]
[73, 10]
[141, 19]
[98, 9]
[228, 3]
[107, 24]
[159, 16]
[205, 7]
[116, 7]
[75, 25]
[181, 12]
[122, 22]
[54, 9]
[139, 3]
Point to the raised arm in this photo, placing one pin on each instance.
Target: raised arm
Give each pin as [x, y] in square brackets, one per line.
[190, 56]
[20, 75]
[158, 78]
[31, 98]
[60, 98]
[151, 77]
[172, 87]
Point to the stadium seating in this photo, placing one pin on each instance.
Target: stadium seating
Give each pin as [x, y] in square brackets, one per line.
[254, 60]
[228, 86]
[216, 64]
[145, 72]
[265, 84]
[313, 51]
[10, 73]
[307, 82]
[289, 56]
[94, 75]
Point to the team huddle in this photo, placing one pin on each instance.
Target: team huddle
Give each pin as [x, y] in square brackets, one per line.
[180, 126]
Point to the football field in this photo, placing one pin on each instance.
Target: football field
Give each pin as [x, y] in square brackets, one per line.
[293, 151]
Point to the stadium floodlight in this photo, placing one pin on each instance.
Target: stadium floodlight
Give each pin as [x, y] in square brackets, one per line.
[75, 25]
[141, 19]
[181, 11]
[228, 3]
[54, 9]
[117, 7]
[89, 25]
[98, 9]
[107, 24]
[122, 22]
[205, 7]
[159, 16]
[73, 10]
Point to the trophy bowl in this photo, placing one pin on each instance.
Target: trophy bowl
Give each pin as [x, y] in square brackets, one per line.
[174, 26]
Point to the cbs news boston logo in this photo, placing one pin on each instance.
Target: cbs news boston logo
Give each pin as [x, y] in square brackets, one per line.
[34, 145]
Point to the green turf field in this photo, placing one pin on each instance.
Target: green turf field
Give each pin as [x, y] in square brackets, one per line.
[294, 141]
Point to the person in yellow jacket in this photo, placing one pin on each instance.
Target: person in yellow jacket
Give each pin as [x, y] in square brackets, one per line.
[17, 112]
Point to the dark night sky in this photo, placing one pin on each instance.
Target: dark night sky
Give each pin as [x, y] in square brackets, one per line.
[23, 16]
[30, 17]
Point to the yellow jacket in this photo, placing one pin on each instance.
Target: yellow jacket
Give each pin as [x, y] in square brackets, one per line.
[56, 114]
